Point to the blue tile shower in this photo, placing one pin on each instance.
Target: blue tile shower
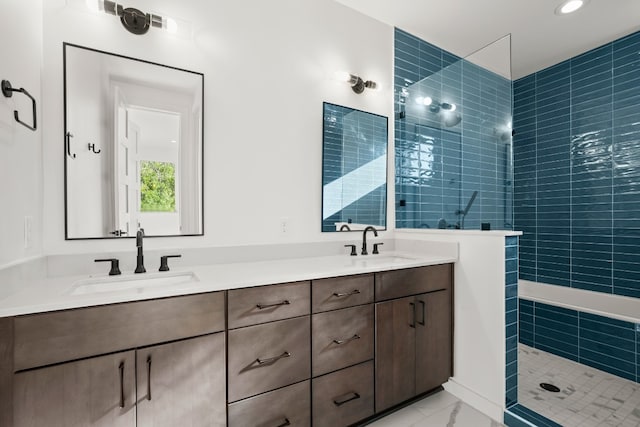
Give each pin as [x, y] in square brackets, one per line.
[577, 170]
[601, 342]
[452, 140]
[577, 201]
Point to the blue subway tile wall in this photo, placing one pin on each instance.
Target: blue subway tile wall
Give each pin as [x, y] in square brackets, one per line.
[511, 320]
[445, 156]
[577, 170]
[601, 342]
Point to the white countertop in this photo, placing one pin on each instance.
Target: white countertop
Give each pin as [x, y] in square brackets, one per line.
[52, 294]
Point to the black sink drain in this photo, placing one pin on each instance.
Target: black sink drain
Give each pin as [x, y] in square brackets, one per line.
[550, 387]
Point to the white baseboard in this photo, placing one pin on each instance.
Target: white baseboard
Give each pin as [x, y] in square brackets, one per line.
[473, 399]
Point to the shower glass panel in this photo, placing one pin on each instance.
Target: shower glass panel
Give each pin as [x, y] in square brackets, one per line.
[454, 165]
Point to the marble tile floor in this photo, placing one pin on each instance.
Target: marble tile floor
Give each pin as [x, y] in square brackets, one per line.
[588, 397]
[439, 410]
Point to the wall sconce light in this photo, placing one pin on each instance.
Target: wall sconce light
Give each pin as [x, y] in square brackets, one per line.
[133, 20]
[357, 84]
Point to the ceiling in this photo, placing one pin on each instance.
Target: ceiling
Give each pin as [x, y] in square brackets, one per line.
[539, 37]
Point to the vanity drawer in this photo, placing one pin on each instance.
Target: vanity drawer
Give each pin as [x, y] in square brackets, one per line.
[262, 304]
[413, 281]
[341, 292]
[287, 406]
[265, 357]
[47, 338]
[342, 338]
[344, 397]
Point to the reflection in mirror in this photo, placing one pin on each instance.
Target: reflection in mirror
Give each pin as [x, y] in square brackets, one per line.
[133, 147]
[354, 169]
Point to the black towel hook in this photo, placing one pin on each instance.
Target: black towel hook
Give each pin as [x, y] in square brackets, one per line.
[7, 91]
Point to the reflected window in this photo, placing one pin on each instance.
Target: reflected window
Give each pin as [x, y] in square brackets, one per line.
[157, 186]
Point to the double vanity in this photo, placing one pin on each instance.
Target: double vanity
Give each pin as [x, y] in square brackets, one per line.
[325, 341]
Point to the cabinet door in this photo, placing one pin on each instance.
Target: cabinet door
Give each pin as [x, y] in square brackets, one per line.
[182, 383]
[395, 352]
[93, 392]
[433, 340]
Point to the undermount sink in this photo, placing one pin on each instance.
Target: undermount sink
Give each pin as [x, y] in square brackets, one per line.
[127, 283]
[372, 260]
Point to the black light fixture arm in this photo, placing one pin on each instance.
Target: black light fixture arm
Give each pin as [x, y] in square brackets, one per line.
[7, 91]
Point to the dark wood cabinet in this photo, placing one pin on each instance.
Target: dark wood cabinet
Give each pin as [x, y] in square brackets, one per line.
[395, 352]
[99, 392]
[433, 340]
[414, 339]
[287, 406]
[182, 383]
[343, 397]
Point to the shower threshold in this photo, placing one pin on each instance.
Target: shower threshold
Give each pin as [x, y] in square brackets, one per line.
[588, 397]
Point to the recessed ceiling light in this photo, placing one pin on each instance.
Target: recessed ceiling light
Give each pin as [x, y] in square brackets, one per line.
[570, 6]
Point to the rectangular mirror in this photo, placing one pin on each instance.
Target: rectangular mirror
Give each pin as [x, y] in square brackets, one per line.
[133, 147]
[354, 169]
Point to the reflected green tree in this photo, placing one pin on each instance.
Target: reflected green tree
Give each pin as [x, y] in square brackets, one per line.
[157, 187]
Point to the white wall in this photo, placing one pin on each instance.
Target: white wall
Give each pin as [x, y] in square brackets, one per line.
[20, 148]
[479, 313]
[268, 67]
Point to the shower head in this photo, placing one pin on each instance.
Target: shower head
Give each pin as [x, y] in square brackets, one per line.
[452, 119]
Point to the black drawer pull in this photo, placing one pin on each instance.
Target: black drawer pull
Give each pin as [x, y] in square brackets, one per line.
[121, 369]
[346, 294]
[424, 309]
[272, 359]
[340, 342]
[263, 306]
[284, 423]
[413, 318]
[342, 402]
[149, 377]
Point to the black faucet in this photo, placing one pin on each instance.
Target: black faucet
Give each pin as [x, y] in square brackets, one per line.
[364, 238]
[140, 259]
[344, 227]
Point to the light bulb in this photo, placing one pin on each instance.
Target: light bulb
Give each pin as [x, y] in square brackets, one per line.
[427, 100]
[342, 76]
[93, 5]
[570, 6]
[171, 25]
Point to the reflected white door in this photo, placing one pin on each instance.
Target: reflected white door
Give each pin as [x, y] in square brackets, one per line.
[126, 181]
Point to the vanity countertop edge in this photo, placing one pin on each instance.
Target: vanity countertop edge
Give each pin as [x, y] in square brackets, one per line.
[52, 294]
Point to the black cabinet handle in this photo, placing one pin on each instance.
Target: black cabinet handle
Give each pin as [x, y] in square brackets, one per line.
[263, 306]
[342, 402]
[424, 312]
[346, 294]
[413, 317]
[270, 360]
[121, 368]
[149, 377]
[340, 342]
